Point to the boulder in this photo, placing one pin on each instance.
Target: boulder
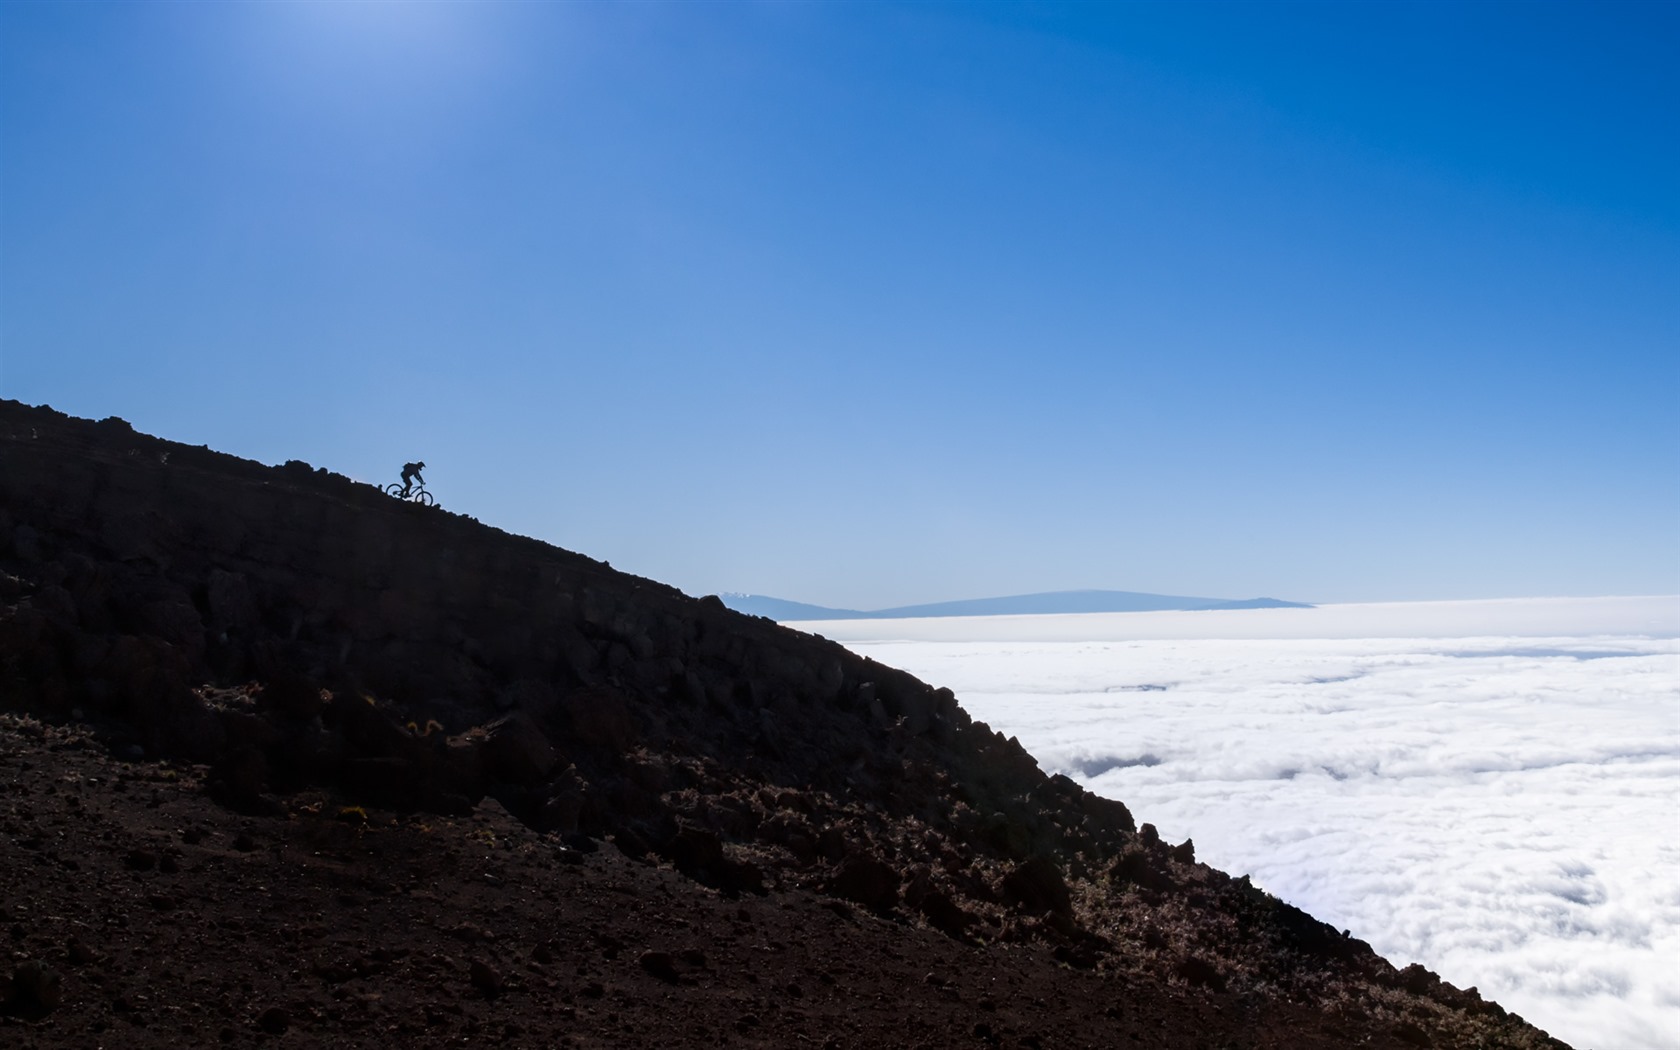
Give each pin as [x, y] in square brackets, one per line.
[866, 880]
[515, 751]
[945, 915]
[1037, 887]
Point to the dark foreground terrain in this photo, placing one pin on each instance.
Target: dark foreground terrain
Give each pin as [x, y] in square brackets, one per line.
[283, 759]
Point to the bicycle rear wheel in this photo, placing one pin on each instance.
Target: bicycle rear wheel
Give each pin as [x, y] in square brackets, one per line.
[393, 490]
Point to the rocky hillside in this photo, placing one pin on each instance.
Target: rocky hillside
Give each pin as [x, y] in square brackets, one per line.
[281, 647]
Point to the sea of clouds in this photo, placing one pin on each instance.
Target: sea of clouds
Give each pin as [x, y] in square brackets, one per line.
[1489, 788]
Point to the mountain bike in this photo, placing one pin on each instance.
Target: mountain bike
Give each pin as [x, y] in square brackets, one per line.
[415, 494]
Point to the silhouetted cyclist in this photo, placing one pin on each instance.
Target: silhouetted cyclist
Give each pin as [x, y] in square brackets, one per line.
[410, 475]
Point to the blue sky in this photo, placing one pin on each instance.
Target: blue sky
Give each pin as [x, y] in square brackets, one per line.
[871, 304]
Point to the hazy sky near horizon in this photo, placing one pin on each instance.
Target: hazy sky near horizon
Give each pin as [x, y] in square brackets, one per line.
[872, 304]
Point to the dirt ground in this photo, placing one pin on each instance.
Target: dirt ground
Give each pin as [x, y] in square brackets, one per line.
[140, 913]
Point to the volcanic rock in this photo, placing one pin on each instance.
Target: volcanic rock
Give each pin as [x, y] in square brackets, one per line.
[225, 657]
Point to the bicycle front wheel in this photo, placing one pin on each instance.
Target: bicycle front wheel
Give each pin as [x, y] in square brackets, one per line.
[424, 498]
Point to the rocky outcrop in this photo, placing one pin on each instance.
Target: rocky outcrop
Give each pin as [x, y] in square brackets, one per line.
[288, 627]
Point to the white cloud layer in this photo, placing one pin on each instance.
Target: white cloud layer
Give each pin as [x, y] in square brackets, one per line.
[1489, 788]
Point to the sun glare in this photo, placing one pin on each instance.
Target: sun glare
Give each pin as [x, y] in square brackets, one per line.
[371, 53]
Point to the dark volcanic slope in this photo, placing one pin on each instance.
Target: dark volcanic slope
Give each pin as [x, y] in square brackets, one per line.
[263, 647]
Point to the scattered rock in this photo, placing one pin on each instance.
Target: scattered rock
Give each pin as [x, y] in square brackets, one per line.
[631, 843]
[696, 851]
[1198, 971]
[37, 986]
[274, 1020]
[516, 751]
[580, 842]
[866, 880]
[660, 964]
[1036, 886]
[1142, 868]
[945, 915]
[699, 854]
[140, 860]
[1419, 980]
[485, 978]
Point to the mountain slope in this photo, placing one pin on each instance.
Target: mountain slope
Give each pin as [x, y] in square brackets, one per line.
[310, 654]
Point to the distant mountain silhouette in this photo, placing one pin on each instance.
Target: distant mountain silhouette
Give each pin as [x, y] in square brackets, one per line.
[782, 609]
[1259, 603]
[1011, 605]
